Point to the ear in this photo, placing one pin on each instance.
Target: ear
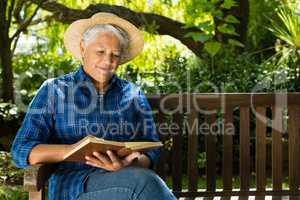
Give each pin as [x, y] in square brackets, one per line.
[82, 48]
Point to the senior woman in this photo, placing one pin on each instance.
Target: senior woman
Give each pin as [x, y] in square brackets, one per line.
[93, 100]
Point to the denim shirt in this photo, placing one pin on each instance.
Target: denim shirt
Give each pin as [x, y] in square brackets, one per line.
[68, 108]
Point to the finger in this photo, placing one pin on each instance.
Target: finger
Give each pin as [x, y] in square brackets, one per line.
[132, 156]
[115, 159]
[129, 159]
[102, 158]
[93, 161]
[112, 156]
[93, 164]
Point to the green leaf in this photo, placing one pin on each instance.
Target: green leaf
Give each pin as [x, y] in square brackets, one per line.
[204, 25]
[212, 47]
[218, 14]
[228, 4]
[202, 37]
[227, 29]
[288, 28]
[29, 74]
[231, 19]
[237, 43]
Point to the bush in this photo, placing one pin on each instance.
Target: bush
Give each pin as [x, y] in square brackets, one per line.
[10, 121]
[13, 193]
[11, 179]
[9, 174]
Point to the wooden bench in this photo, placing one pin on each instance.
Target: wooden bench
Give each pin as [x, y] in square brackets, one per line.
[247, 121]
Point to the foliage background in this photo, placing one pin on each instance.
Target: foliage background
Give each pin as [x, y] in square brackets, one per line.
[268, 57]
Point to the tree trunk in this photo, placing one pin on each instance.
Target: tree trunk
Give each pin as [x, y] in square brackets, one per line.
[7, 92]
[6, 65]
[242, 13]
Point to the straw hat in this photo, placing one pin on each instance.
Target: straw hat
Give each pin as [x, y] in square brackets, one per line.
[73, 34]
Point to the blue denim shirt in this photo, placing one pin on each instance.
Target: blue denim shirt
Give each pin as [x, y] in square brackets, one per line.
[68, 108]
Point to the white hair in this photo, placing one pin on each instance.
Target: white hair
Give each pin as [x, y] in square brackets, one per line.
[91, 33]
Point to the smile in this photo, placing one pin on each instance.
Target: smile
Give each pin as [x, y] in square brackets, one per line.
[103, 69]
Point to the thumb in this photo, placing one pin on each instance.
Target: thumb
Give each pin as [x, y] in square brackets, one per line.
[132, 156]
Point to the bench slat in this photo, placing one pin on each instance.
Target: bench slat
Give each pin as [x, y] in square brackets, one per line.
[161, 167]
[192, 150]
[227, 151]
[293, 128]
[260, 161]
[177, 153]
[244, 148]
[277, 147]
[211, 152]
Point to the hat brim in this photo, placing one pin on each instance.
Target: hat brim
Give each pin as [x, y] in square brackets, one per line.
[73, 35]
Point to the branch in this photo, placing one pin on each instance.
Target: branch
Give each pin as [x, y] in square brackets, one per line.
[17, 11]
[15, 45]
[166, 25]
[47, 18]
[10, 10]
[27, 22]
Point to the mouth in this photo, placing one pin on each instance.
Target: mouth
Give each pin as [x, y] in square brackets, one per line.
[103, 69]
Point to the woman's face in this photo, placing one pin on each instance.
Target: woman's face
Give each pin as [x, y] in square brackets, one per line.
[101, 56]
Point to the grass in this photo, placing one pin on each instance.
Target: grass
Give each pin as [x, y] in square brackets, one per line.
[219, 184]
[12, 193]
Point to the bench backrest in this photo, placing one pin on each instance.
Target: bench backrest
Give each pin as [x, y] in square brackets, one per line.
[221, 119]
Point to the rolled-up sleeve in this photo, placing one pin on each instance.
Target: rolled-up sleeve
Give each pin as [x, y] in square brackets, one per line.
[36, 126]
[146, 126]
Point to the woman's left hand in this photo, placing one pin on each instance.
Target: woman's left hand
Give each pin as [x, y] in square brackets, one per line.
[111, 161]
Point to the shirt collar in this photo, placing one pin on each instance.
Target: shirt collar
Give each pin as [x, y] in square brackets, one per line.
[81, 75]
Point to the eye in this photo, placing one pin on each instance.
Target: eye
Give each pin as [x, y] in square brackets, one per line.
[117, 55]
[100, 52]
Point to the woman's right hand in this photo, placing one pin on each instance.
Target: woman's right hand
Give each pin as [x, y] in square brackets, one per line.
[111, 161]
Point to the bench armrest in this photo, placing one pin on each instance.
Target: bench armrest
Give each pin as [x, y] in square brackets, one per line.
[36, 176]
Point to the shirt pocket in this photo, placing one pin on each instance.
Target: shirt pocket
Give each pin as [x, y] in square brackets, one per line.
[66, 129]
[122, 125]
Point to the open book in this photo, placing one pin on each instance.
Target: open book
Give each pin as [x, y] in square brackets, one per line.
[89, 144]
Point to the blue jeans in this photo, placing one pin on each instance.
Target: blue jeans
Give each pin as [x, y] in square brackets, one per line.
[130, 183]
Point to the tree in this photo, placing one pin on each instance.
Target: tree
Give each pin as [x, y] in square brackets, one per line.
[190, 35]
[20, 11]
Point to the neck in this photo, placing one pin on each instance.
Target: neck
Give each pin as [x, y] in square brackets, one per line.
[101, 86]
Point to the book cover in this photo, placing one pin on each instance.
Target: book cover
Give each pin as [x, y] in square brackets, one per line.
[89, 144]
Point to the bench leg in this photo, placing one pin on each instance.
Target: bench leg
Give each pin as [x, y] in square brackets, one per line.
[40, 195]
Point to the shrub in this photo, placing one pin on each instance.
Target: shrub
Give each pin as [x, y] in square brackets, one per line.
[13, 193]
[9, 174]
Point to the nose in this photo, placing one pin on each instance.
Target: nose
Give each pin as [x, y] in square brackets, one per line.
[107, 59]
